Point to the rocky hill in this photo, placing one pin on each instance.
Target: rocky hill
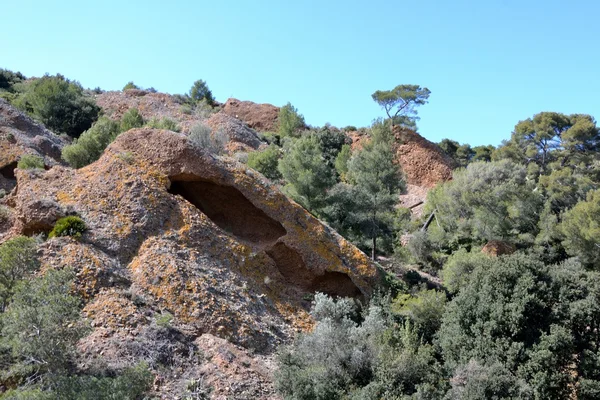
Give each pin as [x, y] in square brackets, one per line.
[193, 263]
[21, 135]
[175, 231]
[242, 130]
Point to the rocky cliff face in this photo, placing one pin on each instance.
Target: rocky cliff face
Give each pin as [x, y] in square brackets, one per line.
[21, 135]
[175, 231]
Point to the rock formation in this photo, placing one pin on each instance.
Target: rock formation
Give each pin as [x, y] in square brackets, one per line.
[261, 117]
[173, 230]
[21, 135]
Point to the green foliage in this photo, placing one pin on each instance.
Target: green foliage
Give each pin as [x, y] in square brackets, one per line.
[487, 201]
[130, 85]
[533, 319]
[343, 359]
[18, 259]
[41, 325]
[91, 144]
[200, 92]
[68, 226]
[31, 161]
[266, 162]
[581, 230]
[331, 141]
[131, 384]
[290, 121]
[131, 119]
[459, 267]
[424, 309]
[304, 169]
[60, 104]
[8, 79]
[552, 138]
[403, 98]
[474, 381]
[341, 161]
[163, 123]
[377, 182]
[164, 319]
[213, 142]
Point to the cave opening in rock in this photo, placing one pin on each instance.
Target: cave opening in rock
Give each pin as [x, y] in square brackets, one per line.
[8, 171]
[230, 210]
[291, 265]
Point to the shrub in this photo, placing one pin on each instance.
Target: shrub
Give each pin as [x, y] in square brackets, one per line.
[290, 122]
[59, 104]
[131, 384]
[266, 162]
[425, 309]
[91, 144]
[68, 226]
[164, 319]
[46, 304]
[213, 142]
[164, 123]
[459, 267]
[30, 161]
[131, 119]
[130, 85]
[18, 258]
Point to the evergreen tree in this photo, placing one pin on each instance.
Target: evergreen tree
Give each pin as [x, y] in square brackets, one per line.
[303, 166]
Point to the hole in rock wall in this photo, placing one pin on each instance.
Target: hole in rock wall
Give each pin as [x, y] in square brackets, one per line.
[294, 270]
[230, 210]
[8, 171]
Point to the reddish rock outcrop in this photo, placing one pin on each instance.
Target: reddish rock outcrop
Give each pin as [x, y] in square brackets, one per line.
[498, 248]
[173, 229]
[261, 117]
[422, 161]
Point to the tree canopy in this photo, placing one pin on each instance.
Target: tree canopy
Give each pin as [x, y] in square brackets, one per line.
[401, 101]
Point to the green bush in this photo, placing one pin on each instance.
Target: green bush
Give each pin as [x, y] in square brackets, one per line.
[41, 326]
[203, 137]
[290, 122]
[130, 85]
[18, 258]
[68, 226]
[131, 119]
[30, 161]
[60, 104]
[164, 123]
[266, 162]
[459, 267]
[131, 384]
[91, 144]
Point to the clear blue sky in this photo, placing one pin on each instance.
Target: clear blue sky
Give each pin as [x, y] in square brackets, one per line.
[488, 64]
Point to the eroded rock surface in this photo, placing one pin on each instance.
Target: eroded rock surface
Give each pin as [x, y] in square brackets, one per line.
[21, 135]
[175, 231]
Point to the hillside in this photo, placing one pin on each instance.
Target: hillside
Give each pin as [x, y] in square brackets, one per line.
[172, 229]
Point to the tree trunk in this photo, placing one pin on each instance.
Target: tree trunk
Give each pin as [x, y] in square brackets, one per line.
[374, 248]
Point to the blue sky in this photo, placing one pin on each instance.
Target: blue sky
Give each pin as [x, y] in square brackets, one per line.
[488, 64]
